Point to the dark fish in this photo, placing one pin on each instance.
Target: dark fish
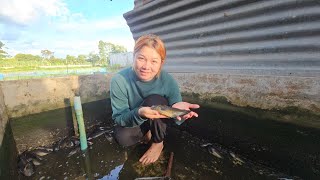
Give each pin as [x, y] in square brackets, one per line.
[46, 148]
[74, 151]
[25, 167]
[169, 111]
[214, 152]
[28, 169]
[31, 157]
[104, 128]
[56, 146]
[67, 143]
[99, 133]
[36, 162]
[75, 140]
[109, 137]
[90, 143]
[40, 152]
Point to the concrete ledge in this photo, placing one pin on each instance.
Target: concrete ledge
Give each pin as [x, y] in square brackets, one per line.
[24, 97]
[265, 92]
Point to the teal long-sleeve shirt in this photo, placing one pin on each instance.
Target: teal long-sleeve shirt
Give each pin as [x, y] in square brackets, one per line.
[127, 93]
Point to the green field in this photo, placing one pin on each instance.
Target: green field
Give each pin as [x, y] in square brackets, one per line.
[41, 72]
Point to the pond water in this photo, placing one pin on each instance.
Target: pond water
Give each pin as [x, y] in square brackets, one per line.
[248, 147]
[107, 160]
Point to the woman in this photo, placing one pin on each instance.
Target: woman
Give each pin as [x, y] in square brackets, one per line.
[132, 92]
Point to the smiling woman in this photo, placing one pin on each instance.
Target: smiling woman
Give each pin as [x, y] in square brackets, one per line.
[134, 90]
[148, 63]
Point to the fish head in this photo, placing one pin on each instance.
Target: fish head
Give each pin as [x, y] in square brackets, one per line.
[28, 169]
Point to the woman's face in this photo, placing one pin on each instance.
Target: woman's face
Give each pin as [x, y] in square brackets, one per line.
[147, 63]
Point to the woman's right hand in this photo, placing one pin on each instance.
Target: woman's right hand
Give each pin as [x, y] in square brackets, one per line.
[147, 112]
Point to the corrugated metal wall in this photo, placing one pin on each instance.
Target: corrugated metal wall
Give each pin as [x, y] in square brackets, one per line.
[271, 37]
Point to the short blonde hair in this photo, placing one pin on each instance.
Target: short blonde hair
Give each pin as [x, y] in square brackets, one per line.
[151, 41]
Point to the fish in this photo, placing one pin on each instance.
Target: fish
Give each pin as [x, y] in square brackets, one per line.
[31, 157]
[56, 146]
[28, 169]
[46, 148]
[99, 133]
[89, 143]
[25, 167]
[169, 111]
[36, 162]
[67, 143]
[40, 152]
[104, 128]
[74, 151]
[109, 137]
[214, 152]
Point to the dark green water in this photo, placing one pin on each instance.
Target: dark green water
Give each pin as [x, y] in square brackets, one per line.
[270, 149]
[290, 148]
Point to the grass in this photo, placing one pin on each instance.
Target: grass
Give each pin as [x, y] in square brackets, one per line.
[28, 72]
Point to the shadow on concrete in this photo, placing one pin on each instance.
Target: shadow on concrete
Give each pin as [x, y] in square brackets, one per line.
[8, 155]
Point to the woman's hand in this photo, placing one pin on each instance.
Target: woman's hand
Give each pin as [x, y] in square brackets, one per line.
[147, 112]
[186, 106]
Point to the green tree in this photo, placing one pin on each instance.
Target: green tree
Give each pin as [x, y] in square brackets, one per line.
[93, 58]
[81, 59]
[105, 48]
[46, 54]
[71, 59]
[103, 52]
[119, 49]
[26, 57]
[3, 54]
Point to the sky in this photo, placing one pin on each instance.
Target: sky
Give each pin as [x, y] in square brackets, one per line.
[65, 27]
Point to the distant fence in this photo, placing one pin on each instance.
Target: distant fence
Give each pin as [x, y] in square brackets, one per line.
[50, 73]
[122, 59]
[64, 66]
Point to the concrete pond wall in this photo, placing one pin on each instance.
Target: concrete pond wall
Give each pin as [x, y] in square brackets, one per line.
[8, 149]
[4, 117]
[25, 97]
[45, 105]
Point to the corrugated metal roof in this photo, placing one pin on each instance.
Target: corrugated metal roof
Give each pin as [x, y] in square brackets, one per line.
[234, 36]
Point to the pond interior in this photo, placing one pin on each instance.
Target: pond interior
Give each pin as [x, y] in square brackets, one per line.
[225, 142]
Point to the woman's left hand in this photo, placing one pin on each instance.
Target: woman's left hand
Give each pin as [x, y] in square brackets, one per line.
[186, 106]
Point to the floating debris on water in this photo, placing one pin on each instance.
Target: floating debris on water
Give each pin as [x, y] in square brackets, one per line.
[205, 144]
[214, 152]
[236, 159]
